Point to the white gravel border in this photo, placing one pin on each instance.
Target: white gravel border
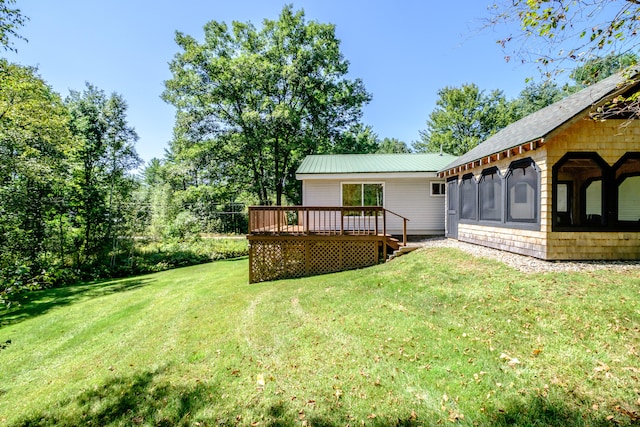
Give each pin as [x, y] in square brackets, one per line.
[529, 264]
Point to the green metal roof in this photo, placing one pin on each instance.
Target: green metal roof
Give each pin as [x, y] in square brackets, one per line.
[373, 163]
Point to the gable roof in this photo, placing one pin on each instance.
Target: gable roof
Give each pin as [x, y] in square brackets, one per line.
[540, 124]
[373, 163]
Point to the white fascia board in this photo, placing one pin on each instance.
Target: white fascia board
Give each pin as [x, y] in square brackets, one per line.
[364, 176]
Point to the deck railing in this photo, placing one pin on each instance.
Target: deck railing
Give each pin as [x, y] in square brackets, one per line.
[321, 220]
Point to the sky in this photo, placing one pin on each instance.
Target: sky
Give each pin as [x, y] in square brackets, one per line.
[403, 50]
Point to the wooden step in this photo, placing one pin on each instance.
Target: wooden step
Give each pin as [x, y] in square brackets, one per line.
[401, 251]
[394, 244]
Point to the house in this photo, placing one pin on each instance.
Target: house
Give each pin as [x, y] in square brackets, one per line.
[559, 184]
[404, 184]
[352, 206]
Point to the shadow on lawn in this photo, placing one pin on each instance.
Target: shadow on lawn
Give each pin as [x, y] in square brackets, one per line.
[140, 399]
[36, 303]
[146, 398]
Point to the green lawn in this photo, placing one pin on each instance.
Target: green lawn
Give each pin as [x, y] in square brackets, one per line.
[435, 337]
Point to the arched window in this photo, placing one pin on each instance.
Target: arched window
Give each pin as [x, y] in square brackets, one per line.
[490, 195]
[579, 182]
[522, 192]
[468, 197]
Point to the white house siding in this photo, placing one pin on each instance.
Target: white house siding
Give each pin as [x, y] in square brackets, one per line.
[409, 197]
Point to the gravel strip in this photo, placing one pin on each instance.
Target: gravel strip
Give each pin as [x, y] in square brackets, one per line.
[528, 264]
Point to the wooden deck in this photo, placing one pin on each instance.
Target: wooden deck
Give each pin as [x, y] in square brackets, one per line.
[296, 241]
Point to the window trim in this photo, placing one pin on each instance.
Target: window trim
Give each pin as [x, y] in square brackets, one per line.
[442, 185]
[488, 172]
[362, 183]
[522, 164]
[607, 223]
[472, 178]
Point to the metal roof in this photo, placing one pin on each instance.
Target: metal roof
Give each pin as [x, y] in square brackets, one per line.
[373, 163]
[541, 123]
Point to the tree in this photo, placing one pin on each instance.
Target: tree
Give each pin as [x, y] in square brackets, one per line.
[359, 139]
[392, 145]
[102, 156]
[463, 118]
[10, 20]
[33, 139]
[555, 31]
[597, 69]
[536, 96]
[263, 99]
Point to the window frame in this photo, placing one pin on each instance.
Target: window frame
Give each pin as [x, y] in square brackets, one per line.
[508, 219]
[485, 173]
[362, 184]
[442, 186]
[577, 208]
[468, 178]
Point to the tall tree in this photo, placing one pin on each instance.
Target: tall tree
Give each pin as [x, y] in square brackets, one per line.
[33, 137]
[103, 155]
[463, 118]
[536, 96]
[10, 20]
[263, 99]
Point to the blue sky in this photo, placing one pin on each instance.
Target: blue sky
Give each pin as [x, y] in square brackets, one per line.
[403, 50]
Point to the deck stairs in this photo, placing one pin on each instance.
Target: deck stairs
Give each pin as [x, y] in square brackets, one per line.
[396, 249]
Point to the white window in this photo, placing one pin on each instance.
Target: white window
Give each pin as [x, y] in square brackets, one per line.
[362, 194]
[438, 188]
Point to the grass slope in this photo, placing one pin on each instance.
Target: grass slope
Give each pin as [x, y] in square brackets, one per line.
[433, 337]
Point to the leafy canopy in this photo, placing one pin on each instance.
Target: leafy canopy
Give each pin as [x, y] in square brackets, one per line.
[262, 99]
[463, 118]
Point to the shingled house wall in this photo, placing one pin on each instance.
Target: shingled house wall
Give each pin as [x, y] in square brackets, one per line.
[611, 139]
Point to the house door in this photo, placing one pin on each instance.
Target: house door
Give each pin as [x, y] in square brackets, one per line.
[452, 209]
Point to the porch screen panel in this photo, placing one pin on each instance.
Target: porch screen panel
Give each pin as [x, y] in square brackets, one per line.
[468, 199]
[580, 187]
[490, 192]
[522, 193]
[628, 180]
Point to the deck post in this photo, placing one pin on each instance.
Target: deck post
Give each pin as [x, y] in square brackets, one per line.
[404, 232]
[341, 221]
[384, 234]
[376, 219]
[307, 222]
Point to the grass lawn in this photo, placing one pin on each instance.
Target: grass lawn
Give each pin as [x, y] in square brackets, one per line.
[435, 337]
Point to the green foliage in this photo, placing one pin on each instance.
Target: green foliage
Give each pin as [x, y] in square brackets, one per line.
[102, 156]
[33, 141]
[10, 20]
[597, 69]
[392, 145]
[252, 103]
[66, 191]
[436, 337]
[554, 31]
[463, 118]
[536, 96]
[359, 139]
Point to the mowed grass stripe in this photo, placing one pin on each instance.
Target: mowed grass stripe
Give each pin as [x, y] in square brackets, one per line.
[436, 336]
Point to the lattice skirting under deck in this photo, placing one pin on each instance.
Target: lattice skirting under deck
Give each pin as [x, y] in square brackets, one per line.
[272, 258]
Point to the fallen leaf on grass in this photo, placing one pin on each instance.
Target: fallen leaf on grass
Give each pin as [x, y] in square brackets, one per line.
[511, 361]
